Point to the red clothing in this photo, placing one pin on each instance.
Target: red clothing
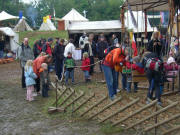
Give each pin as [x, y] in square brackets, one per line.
[85, 64]
[37, 64]
[116, 56]
[169, 67]
[48, 49]
[135, 67]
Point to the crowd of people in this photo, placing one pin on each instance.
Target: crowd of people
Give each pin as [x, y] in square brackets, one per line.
[114, 58]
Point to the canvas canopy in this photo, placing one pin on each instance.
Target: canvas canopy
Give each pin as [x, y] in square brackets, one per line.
[95, 26]
[22, 26]
[6, 16]
[74, 15]
[47, 26]
[14, 38]
[140, 20]
[149, 5]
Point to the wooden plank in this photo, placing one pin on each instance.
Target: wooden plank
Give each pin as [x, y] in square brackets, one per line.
[76, 99]
[106, 107]
[161, 123]
[120, 110]
[89, 98]
[134, 113]
[153, 114]
[90, 108]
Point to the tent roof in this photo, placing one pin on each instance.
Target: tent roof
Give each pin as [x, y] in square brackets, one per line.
[149, 5]
[140, 20]
[22, 26]
[7, 31]
[48, 26]
[74, 15]
[6, 16]
[95, 26]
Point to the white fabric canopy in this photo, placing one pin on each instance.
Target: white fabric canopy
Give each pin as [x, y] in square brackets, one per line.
[140, 19]
[48, 26]
[7, 31]
[74, 15]
[6, 16]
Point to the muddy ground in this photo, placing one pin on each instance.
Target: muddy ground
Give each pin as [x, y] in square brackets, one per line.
[19, 117]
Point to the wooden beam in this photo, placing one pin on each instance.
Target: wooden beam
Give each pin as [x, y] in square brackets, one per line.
[120, 110]
[172, 130]
[153, 114]
[161, 123]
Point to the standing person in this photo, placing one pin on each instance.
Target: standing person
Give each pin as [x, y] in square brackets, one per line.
[47, 47]
[113, 63]
[59, 58]
[70, 48]
[114, 40]
[37, 48]
[36, 67]
[85, 66]
[69, 66]
[156, 44]
[44, 77]
[30, 80]
[154, 69]
[101, 46]
[24, 54]
[2, 44]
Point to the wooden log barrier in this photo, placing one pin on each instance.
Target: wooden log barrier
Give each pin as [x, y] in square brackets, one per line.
[120, 110]
[172, 130]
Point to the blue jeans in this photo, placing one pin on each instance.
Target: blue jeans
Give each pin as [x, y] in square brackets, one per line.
[1, 54]
[59, 68]
[86, 74]
[69, 73]
[129, 86]
[124, 81]
[111, 80]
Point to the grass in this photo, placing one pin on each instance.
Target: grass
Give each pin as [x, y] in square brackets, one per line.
[109, 130]
[37, 35]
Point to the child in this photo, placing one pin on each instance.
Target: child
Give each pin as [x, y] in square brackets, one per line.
[86, 66]
[69, 66]
[136, 65]
[44, 78]
[30, 77]
[171, 68]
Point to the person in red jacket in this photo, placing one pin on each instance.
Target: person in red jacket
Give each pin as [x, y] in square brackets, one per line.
[86, 66]
[136, 65]
[47, 47]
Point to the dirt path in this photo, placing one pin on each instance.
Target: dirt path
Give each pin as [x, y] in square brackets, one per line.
[17, 116]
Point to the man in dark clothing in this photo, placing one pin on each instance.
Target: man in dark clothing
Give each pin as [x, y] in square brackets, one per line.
[59, 58]
[37, 48]
[101, 46]
[156, 45]
[2, 44]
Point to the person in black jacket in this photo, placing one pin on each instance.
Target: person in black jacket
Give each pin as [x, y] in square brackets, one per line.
[101, 46]
[2, 44]
[59, 58]
[156, 44]
[37, 48]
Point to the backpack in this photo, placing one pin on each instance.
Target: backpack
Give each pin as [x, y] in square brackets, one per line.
[154, 64]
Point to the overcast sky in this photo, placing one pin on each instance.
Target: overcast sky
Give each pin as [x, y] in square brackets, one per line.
[28, 1]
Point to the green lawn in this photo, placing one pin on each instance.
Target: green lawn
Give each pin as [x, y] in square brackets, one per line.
[36, 35]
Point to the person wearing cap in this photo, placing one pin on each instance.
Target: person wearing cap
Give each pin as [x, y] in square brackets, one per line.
[171, 68]
[101, 46]
[47, 47]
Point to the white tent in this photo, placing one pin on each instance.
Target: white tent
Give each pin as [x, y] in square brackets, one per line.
[95, 26]
[74, 15]
[14, 38]
[6, 16]
[140, 20]
[47, 26]
[22, 26]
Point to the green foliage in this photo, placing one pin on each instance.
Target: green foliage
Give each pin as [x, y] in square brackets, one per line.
[37, 35]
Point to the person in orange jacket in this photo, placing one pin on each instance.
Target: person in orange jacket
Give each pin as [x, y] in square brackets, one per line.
[36, 67]
[112, 63]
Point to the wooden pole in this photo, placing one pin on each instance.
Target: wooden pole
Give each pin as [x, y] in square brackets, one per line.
[172, 130]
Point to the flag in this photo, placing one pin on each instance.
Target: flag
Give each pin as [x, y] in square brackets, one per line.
[134, 47]
[20, 14]
[132, 16]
